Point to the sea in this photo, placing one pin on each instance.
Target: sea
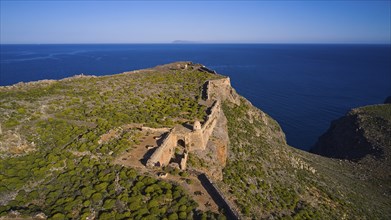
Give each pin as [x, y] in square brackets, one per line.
[303, 86]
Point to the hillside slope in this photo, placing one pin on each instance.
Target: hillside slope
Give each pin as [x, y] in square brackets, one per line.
[268, 179]
[60, 140]
[64, 148]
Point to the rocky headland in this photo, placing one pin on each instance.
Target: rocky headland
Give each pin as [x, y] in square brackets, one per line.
[79, 148]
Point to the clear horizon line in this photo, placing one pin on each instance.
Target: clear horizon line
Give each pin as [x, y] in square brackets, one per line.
[191, 42]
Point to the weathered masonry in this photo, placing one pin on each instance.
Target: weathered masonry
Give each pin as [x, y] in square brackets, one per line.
[181, 140]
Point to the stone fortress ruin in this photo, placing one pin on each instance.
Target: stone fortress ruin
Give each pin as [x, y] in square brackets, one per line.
[182, 139]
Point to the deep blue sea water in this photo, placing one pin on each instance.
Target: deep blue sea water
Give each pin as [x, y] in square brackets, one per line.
[304, 87]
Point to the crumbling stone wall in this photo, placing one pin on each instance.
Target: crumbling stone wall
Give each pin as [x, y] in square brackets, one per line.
[148, 129]
[183, 163]
[210, 123]
[220, 89]
[163, 154]
[197, 138]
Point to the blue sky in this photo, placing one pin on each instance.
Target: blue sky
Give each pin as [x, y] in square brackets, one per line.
[202, 21]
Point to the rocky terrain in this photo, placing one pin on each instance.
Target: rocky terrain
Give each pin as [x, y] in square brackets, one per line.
[362, 136]
[74, 149]
[361, 133]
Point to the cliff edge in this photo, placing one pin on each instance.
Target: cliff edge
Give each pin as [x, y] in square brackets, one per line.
[361, 134]
[84, 140]
[363, 138]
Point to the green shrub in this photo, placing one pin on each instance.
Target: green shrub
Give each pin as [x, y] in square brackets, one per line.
[58, 216]
[97, 197]
[173, 216]
[109, 204]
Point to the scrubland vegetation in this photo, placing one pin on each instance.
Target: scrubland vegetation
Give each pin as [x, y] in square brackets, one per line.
[64, 186]
[58, 141]
[269, 179]
[69, 174]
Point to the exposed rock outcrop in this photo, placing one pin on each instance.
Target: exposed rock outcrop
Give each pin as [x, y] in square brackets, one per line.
[363, 131]
[345, 140]
[216, 152]
[364, 137]
[13, 144]
[220, 89]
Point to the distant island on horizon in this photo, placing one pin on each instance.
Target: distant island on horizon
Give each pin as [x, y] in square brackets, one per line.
[186, 42]
[200, 42]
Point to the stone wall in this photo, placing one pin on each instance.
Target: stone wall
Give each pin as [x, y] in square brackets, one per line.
[220, 89]
[163, 154]
[207, 128]
[218, 197]
[184, 161]
[196, 139]
[161, 130]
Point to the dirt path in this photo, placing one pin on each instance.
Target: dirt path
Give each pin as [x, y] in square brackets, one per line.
[137, 156]
[196, 191]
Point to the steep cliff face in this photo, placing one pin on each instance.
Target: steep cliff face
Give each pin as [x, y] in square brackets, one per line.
[345, 139]
[363, 135]
[265, 178]
[213, 159]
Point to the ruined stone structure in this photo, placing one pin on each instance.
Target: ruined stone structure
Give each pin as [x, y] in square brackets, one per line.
[186, 140]
[181, 140]
[220, 89]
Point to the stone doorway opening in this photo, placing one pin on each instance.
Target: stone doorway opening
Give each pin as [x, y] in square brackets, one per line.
[179, 154]
[181, 143]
